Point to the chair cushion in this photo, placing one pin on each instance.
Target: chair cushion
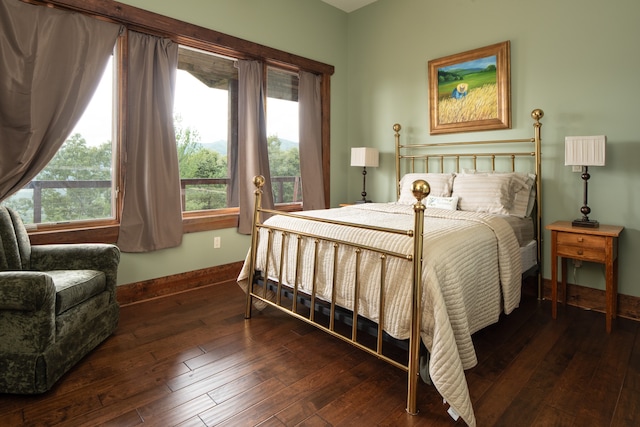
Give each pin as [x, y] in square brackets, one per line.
[76, 286]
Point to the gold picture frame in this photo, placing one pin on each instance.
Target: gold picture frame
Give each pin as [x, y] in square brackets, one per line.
[471, 91]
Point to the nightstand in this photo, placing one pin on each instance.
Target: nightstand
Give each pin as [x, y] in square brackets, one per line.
[586, 244]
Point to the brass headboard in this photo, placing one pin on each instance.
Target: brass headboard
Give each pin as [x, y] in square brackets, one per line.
[427, 157]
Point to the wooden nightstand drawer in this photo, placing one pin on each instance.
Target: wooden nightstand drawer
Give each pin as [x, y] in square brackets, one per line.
[585, 253]
[581, 240]
[581, 246]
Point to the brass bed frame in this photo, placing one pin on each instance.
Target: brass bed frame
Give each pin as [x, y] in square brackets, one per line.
[309, 307]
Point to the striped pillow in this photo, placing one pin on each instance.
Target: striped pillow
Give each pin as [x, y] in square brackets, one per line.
[523, 188]
[490, 193]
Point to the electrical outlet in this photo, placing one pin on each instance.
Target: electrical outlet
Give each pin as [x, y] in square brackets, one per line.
[577, 263]
[576, 168]
[216, 242]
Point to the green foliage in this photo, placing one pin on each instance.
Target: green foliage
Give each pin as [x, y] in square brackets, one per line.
[475, 80]
[195, 161]
[448, 76]
[284, 163]
[75, 161]
[22, 205]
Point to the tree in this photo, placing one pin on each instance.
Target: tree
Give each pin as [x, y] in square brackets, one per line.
[75, 161]
[284, 163]
[196, 161]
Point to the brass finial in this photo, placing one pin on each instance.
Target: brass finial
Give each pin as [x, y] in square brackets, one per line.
[397, 127]
[420, 189]
[537, 114]
[258, 181]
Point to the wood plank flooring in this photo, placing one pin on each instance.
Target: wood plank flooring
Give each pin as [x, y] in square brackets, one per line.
[192, 360]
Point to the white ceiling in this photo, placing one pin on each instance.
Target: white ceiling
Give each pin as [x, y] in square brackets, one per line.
[348, 5]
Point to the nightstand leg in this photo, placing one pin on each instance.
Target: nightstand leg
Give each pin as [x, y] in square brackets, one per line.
[611, 293]
[554, 275]
[563, 293]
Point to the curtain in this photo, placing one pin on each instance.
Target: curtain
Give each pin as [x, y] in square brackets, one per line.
[310, 117]
[151, 213]
[51, 62]
[252, 142]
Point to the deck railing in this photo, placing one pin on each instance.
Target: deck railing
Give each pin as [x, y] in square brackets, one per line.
[278, 184]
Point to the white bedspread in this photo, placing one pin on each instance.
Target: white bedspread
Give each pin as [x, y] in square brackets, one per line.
[471, 273]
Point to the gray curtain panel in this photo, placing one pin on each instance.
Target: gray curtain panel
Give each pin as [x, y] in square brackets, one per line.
[151, 213]
[52, 62]
[252, 142]
[310, 112]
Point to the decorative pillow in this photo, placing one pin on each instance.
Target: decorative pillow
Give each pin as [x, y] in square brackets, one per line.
[440, 184]
[480, 192]
[449, 203]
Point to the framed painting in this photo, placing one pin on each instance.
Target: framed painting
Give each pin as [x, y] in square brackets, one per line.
[471, 91]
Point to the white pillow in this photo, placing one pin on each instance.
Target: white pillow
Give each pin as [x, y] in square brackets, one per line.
[490, 193]
[525, 197]
[439, 183]
[449, 203]
[522, 188]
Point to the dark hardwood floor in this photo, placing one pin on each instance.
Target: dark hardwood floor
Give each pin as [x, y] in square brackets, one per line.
[192, 360]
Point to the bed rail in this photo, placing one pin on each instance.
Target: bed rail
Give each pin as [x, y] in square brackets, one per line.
[420, 190]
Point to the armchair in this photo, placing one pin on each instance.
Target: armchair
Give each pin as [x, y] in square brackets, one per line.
[57, 303]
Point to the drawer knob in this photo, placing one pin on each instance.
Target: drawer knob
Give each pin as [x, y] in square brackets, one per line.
[580, 239]
[580, 252]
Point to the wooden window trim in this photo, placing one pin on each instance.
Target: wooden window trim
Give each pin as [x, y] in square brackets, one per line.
[202, 38]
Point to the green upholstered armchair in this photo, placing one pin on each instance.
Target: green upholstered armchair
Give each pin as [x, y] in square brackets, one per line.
[57, 303]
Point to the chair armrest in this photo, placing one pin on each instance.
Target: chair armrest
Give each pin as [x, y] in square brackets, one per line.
[27, 307]
[81, 256]
[26, 291]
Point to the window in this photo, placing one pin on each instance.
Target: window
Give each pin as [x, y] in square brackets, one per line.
[76, 194]
[205, 119]
[77, 184]
[205, 113]
[282, 135]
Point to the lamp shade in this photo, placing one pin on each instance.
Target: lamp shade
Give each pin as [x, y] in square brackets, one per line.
[584, 150]
[364, 156]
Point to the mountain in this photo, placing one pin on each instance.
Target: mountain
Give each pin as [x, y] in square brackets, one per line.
[220, 146]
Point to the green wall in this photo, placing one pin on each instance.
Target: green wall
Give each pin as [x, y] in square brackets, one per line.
[577, 60]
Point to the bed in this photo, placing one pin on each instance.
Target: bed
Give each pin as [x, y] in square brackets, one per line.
[420, 274]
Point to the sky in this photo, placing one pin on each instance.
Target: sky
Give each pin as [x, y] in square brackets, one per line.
[200, 107]
[476, 63]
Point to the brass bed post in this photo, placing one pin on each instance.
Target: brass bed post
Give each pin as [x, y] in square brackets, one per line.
[420, 190]
[396, 129]
[537, 114]
[258, 181]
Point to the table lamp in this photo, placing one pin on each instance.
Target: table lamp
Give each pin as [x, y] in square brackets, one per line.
[584, 151]
[364, 157]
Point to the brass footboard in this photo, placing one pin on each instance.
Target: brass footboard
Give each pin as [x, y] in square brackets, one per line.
[420, 190]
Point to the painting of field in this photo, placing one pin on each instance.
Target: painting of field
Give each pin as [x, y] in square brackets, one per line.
[480, 103]
[471, 91]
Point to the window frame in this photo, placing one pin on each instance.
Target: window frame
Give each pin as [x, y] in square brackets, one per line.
[197, 37]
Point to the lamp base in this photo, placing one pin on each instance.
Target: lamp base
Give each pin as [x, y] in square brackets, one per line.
[588, 223]
[357, 202]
